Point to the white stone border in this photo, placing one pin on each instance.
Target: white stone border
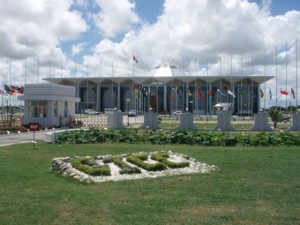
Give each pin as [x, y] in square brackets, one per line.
[64, 166]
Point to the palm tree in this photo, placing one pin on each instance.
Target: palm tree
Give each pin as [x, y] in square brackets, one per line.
[277, 116]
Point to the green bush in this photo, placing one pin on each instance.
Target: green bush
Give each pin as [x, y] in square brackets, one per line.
[138, 159]
[163, 158]
[188, 137]
[125, 168]
[89, 166]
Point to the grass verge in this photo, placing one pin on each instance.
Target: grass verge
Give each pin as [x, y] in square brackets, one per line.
[252, 186]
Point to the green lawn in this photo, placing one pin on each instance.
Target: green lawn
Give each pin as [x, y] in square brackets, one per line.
[252, 186]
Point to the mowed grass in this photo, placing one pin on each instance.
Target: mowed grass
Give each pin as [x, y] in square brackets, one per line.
[251, 186]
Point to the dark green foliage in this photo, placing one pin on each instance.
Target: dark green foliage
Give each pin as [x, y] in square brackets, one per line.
[138, 159]
[89, 166]
[188, 137]
[277, 116]
[125, 168]
[163, 158]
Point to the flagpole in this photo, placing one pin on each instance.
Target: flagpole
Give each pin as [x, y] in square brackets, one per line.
[265, 86]
[38, 70]
[286, 76]
[252, 94]
[276, 94]
[241, 95]
[207, 95]
[25, 69]
[296, 74]
[112, 84]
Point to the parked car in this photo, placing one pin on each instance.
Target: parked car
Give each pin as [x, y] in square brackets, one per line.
[176, 113]
[132, 113]
[90, 112]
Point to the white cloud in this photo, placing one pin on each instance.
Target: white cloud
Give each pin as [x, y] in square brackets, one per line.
[78, 48]
[186, 30]
[27, 26]
[115, 16]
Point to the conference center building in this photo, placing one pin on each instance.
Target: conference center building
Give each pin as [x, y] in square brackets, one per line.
[167, 90]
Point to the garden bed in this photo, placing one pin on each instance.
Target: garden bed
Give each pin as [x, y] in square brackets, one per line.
[128, 166]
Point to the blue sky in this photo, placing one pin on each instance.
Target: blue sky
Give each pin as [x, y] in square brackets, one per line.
[49, 38]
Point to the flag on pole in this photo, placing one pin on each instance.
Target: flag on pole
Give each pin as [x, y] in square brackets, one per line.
[143, 90]
[283, 92]
[189, 93]
[261, 93]
[7, 89]
[231, 93]
[210, 93]
[199, 93]
[293, 93]
[270, 93]
[135, 58]
[221, 93]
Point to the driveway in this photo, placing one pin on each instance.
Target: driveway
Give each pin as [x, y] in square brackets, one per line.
[11, 139]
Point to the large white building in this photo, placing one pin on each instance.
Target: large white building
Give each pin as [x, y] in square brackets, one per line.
[166, 90]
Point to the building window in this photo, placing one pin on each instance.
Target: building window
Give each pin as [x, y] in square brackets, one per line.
[38, 108]
[55, 109]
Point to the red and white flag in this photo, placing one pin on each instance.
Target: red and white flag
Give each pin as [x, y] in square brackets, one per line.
[283, 92]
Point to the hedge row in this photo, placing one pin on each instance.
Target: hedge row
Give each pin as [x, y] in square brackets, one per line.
[189, 137]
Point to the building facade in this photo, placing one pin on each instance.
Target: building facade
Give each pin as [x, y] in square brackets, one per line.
[167, 90]
[48, 104]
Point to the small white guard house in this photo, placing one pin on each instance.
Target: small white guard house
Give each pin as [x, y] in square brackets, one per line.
[48, 104]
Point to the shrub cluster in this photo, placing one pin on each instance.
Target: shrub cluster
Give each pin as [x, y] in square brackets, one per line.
[163, 158]
[125, 168]
[89, 166]
[189, 137]
[139, 160]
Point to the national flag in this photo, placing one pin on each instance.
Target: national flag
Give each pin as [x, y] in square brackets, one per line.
[210, 93]
[7, 89]
[261, 93]
[200, 94]
[293, 93]
[189, 93]
[230, 93]
[221, 93]
[20, 90]
[270, 93]
[143, 90]
[135, 58]
[179, 92]
[283, 92]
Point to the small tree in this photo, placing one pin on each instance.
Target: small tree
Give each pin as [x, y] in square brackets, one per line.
[277, 116]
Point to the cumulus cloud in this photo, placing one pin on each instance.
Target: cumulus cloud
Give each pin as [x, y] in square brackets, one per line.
[27, 26]
[78, 48]
[187, 31]
[115, 16]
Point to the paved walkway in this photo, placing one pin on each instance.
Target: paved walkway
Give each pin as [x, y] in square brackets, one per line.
[11, 139]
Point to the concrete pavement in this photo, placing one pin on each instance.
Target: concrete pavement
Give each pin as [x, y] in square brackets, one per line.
[10, 139]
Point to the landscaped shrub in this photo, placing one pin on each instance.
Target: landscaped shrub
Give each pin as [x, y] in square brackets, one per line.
[89, 166]
[189, 137]
[163, 158]
[138, 159]
[125, 168]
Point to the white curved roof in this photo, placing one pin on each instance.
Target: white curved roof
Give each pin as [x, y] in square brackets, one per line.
[165, 70]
